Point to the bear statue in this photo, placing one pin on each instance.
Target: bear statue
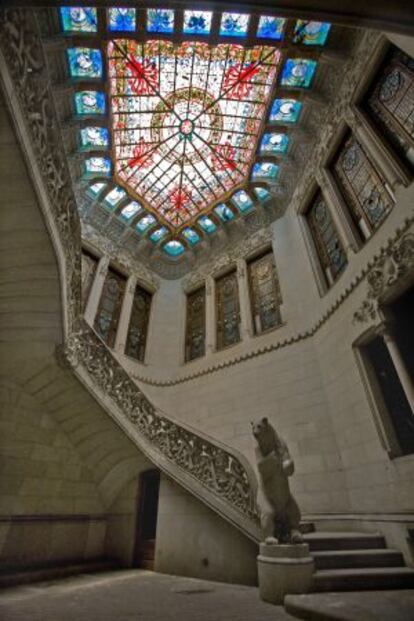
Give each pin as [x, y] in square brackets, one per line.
[279, 512]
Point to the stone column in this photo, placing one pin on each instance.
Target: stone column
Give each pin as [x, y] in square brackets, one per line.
[96, 290]
[123, 323]
[246, 331]
[210, 316]
[399, 364]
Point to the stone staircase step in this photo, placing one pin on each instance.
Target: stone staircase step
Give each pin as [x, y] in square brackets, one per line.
[9, 578]
[307, 527]
[346, 559]
[334, 540]
[363, 579]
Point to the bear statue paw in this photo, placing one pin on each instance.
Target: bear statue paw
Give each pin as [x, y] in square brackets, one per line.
[271, 541]
[296, 536]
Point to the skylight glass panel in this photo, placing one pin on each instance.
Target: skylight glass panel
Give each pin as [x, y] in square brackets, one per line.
[158, 234]
[207, 224]
[130, 210]
[121, 19]
[267, 170]
[174, 248]
[204, 101]
[298, 72]
[84, 62]
[115, 196]
[234, 24]
[96, 188]
[89, 102]
[197, 22]
[94, 137]
[285, 110]
[242, 201]
[144, 223]
[274, 143]
[224, 213]
[191, 236]
[98, 166]
[160, 20]
[311, 33]
[271, 27]
[78, 19]
[261, 193]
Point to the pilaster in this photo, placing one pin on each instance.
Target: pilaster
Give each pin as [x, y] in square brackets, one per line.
[123, 324]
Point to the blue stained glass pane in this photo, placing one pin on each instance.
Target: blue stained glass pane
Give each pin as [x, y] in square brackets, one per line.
[130, 210]
[96, 189]
[197, 22]
[271, 27]
[265, 169]
[285, 110]
[98, 165]
[311, 33]
[224, 213]
[85, 62]
[207, 224]
[89, 102]
[78, 19]
[274, 143]
[242, 201]
[174, 248]
[94, 137]
[159, 234]
[121, 19]
[191, 236]
[144, 223]
[115, 196]
[261, 193]
[160, 20]
[298, 72]
[234, 24]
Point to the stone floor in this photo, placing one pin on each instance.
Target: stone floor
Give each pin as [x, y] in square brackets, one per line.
[135, 596]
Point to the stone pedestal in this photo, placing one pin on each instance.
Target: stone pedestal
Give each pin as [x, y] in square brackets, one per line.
[283, 569]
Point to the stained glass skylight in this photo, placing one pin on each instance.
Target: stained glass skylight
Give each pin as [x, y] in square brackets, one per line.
[174, 248]
[197, 22]
[224, 213]
[186, 120]
[98, 166]
[78, 19]
[94, 137]
[191, 236]
[274, 143]
[115, 196]
[158, 234]
[160, 20]
[311, 33]
[96, 188]
[89, 102]
[261, 193]
[285, 110]
[267, 170]
[242, 201]
[234, 24]
[130, 210]
[271, 27]
[145, 223]
[84, 62]
[207, 224]
[298, 72]
[121, 19]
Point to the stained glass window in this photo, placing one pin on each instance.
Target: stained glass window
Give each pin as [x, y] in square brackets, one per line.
[274, 143]
[98, 166]
[138, 324]
[121, 19]
[195, 334]
[234, 24]
[363, 188]
[186, 120]
[242, 200]
[109, 309]
[271, 27]
[207, 224]
[144, 223]
[96, 189]
[115, 196]
[285, 110]
[325, 236]
[191, 236]
[78, 19]
[89, 102]
[224, 213]
[174, 248]
[298, 72]
[130, 210]
[265, 294]
[390, 102]
[94, 137]
[158, 234]
[160, 20]
[227, 310]
[262, 194]
[89, 265]
[84, 62]
[266, 170]
[197, 22]
[311, 33]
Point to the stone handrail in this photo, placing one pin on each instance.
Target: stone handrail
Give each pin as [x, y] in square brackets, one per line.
[216, 474]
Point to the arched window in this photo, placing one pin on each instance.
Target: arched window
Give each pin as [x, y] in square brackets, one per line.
[227, 310]
[109, 309]
[195, 337]
[138, 324]
[265, 294]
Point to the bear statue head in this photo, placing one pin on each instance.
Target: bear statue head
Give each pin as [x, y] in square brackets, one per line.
[260, 428]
